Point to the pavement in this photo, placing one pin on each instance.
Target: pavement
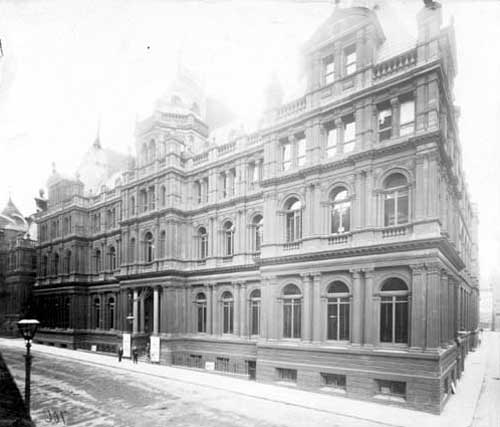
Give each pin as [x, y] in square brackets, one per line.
[459, 411]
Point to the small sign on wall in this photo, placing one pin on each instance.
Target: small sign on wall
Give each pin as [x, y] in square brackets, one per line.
[154, 348]
[210, 366]
[127, 339]
[93, 347]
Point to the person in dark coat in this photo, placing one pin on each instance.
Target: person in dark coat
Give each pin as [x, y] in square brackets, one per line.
[135, 354]
[120, 353]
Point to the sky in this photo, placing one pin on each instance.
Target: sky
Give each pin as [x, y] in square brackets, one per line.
[70, 65]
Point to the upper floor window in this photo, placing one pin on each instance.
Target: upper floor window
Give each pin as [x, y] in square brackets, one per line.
[225, 184]
[340, 211]
[152, 150]
[44, 265]
[350, 59]
[163, 195]
[286, 155]
[292, 307]
[331, 142]
[228, 239]
[293, 214]
[55, 270]
[131, 250]
[394, 311]
[163, 242]
[384, 121]
[257, 223]
[349, 133]
[396, 200]
[148, 247]
[97, 313]
[132, 205]
[143, 194]
[255, 172]
[152, 198]
[329, 69]
[67, 262]
[201, 312]
[255, 302]
[203, 243]
[227, 313]
[97, 261]
[338, 311]
[111, 313]
[301, 151]
[112, 258]
[197, 191]
[407, 115]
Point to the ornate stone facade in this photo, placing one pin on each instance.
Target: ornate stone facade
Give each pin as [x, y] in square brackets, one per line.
[333, 248]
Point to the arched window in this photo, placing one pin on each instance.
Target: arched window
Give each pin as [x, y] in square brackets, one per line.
[55, 270]
[227, 312]
[396, 200]
[258, 223]
[201, 311]
[111, 313]
[131, 250]
[228, 239]
[112, 258]
[394, 311]
[97, 313]
[151, 150]
[97, 261]
[163, 195]
[292, 307]
[67, 262]
[340, 211]
[132, 205]
[163, 243]
[255, 303]
[338, 311]
[148, 247]
[203, 243]
[293, 214]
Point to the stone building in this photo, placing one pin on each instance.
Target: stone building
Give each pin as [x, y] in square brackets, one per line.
[332, 248]
[17, 268]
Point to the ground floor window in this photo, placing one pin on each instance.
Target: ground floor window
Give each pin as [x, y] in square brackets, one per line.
[334, 381]
[392, 389]
[287, 375]
[195, 361]
[222, 364]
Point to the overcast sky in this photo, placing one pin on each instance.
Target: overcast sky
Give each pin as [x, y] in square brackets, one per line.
[67, 63]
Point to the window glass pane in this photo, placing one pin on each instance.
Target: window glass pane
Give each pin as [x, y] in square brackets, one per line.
[301, 152]
[331, 142]
[344, 322]
[332, 320]
[407, 112]
[349, 130]
[296, 319]
[329, 70]
[346, 218]
[389, 205]
[350, 59]
[286, 155]
[385, 123]
[386, 322]
[287, 320]
[335, 220]
[403, 208]
[401, 322]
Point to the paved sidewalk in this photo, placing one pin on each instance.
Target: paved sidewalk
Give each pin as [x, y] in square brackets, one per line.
[458, 412]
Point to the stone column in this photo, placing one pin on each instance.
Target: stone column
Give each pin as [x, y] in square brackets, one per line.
[135, 327]
[317, 307]
[215, 311]
[236, 313]
[155, 311]
[208, 292]
[369, 330]
[357, 312]
[418, 307]
[306, 320]
[141, 311]
[433, 317]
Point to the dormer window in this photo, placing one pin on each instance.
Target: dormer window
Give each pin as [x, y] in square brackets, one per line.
[329, 68]
[350, 59]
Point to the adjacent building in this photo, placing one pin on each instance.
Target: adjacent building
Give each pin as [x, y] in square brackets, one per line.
[332, 248]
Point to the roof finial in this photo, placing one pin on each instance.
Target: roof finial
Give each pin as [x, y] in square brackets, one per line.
[97, 142]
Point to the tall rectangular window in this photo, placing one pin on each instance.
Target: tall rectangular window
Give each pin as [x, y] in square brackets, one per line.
[301, 152]
[407, 115]
[349, 133]
[329, 69]
[331, 143]
[287, 375]
[350, 59]
[384, 121]
[286, 155]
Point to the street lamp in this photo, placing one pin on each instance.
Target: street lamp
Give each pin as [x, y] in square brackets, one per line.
[28, 328]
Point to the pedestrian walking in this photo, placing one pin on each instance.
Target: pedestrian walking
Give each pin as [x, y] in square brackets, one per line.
[120, 353]
[135, 354]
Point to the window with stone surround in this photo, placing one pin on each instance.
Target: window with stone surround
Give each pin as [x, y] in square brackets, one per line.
[112, 258]
[202, 243]
[255, 305]
[332, 139]
[111, 314]
[384, 121]
[227, 313]
[257, 231]
[340, 211]
[162, 244]
[350, 59]
[148, 247]
[349, 134]
[286, 155]
[301, 151]
[222, 364]
[96, 313]
[396, 203]
[391, 390]
[228, 239]
[329, 69]
[293, 217]
[394, 322]
[201, 312]
[338, 311]
[334, 381]
[407, 115]
[97, 261]
[292, 312]
[286, 375]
